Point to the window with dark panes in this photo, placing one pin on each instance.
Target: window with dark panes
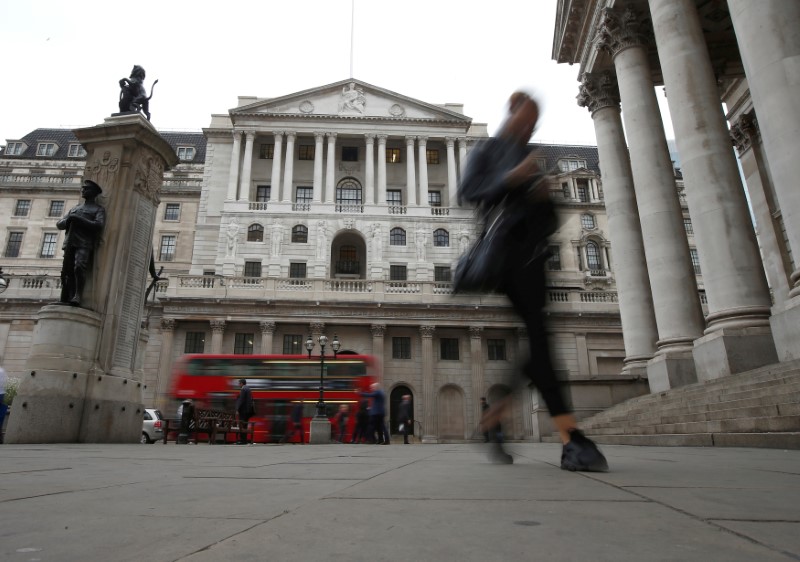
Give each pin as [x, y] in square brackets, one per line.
[304, 195]
[587, 222]
[76, 151]
[583, 193]
[167, 252]
[297, 270]
[13, 245]
[266, 152]
[49, 245]
[22, 208]
[593, 256]
[695, 260]
[435, 198]
[397, 273]
[393, 155]
[687, 225]
[293, 344]
[300, 234]
[195, 342]
[394, 197]
[497, 349]
[185, 153]
[397, 237]
[255, 233]
[448, 349]
[554, 261]
[432, 156]
[45, 149]
[442, 273]
[56, 209]
[262, 193]
[441, 237]
[252, 269]
[172, 212]
[401, 348]
[348, 192]
[349, 154]
[243, 344]
[306, 152]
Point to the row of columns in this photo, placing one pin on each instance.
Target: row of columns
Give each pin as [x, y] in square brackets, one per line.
[239, 185]
[663, 325]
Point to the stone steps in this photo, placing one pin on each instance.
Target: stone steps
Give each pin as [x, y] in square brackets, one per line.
[760, 408]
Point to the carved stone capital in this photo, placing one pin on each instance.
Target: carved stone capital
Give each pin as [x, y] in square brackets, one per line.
[331, 136]
[237, 135]
[168, 324]
[370, 138]
[427, 331]
[618, 32]
[217, 326]
[410, 140]
[744, 132]
[378, 330]
[422, 140]
[267, 327]
[278, 135]
[316, 328]
[382, 139]
[598, 91]
[290, 135]
[462, 142]
[450, 141]
[319, 137]
[250, 135]
[475, 332]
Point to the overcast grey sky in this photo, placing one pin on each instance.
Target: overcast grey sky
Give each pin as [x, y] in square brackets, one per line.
[63, 60]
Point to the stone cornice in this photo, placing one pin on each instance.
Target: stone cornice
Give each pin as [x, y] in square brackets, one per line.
[598, 91]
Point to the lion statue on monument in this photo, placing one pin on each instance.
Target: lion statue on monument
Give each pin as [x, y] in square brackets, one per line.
[133, 97]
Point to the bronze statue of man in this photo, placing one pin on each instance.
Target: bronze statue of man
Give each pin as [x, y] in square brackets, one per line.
[83, 224]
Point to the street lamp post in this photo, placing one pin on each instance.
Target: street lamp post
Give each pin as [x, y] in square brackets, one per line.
[321, 425]
[4, 283]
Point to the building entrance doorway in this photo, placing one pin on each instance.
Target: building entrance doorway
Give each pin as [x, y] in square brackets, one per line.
[394, 407]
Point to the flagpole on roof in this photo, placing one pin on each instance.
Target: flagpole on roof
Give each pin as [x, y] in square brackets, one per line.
[352, 32]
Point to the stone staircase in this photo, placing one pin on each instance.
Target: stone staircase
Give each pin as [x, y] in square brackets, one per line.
[759, 408]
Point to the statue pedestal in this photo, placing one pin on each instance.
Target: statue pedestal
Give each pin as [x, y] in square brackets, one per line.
[320, 433]
[83, 381]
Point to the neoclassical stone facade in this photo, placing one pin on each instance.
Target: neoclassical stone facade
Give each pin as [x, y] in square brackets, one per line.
[704, 54]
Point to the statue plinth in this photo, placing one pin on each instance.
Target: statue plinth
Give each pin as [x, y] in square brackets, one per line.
[83, 381]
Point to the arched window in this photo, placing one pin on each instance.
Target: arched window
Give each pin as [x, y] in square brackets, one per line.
[587, 222]
[300, 234]
[255, 233]
[397, 237]
[348, 192]
[593, 256]
[441, 237]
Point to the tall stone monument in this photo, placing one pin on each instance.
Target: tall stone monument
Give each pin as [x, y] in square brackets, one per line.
[83, 383]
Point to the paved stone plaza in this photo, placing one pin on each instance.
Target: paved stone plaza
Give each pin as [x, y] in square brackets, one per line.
[416, 502]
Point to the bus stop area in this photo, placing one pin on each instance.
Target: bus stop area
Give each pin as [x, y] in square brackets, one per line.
[401, 502]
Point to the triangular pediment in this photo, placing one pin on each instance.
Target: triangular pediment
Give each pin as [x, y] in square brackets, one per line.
[350, 99]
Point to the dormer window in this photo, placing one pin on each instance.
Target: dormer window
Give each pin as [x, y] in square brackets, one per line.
[185, 153]
[15, 148]
[76, 151]
[46, 149]
[571, 164]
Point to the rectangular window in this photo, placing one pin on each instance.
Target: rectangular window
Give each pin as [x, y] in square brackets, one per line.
[293, 344]
[252, 269]
[401, 348]
[394, 197]
[56, 209]
[687, 225]
[397, 273]
[167, 252]
[76, 151]
[583, 194]
[243, 344]
[195, 342]
[14, 244]
[306, 152]
[15, 148]
[393, 155]
[497, 350]
[49, 245]
[172, 212]
[45, 149]
[448, 349]
[304, 195]
[349, 154]
[554, 261]
[442, 273]
[22, 208]
[695, 260]
[185, 153]
[432, 156]
[435, 198]
[262, 193]
[297, 270]
[267, 152]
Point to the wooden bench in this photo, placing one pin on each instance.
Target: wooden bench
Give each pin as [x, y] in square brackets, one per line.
[210, 423]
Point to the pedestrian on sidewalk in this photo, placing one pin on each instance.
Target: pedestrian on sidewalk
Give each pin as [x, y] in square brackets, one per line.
[378, 413]
[245, 409]
[362, 422]
[404, 417]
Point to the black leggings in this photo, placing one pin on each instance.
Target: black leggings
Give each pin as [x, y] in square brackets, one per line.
[525, 288]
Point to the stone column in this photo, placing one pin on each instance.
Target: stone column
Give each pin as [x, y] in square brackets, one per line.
[247, 167]
[330, 178]
[369, 159]
[267, 332]
[678, 313]
[288, 169]
[452, 180]
[526, 392]
[428, 386]
[275, 188]
[770, 47]
[477, 363]
[599, 94]
[462, 155]
[378, 331]
[411, 180]
[738, 337]
[83, 381]
[217, 332]
[318, 137]
[233, 175]
[423, 171]
[165, 363]
[382, 169]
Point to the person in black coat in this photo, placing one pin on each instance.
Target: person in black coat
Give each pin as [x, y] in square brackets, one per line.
[362, 422]
[404, 416]
[245, 407]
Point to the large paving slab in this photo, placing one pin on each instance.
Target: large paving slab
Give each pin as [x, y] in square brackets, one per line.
[421, 502]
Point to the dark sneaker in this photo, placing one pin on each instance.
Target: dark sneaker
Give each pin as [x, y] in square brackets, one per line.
[498, 456]
[582, 454]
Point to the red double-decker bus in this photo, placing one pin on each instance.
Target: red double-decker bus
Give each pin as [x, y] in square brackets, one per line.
[278, 383]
